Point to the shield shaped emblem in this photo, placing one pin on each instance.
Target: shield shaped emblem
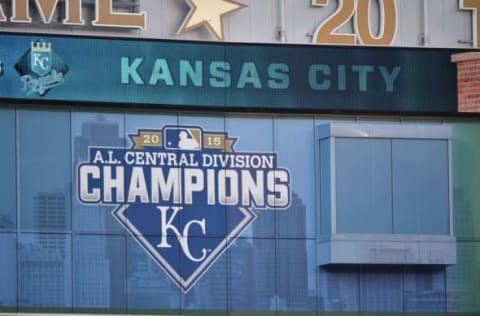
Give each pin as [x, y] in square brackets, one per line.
[41, 59]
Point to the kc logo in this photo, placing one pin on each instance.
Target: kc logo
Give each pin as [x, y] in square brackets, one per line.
[166, 224]
[41, 58]
[185, 195]
[40, 69]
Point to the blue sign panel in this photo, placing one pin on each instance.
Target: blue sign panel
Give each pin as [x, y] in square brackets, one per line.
[183, 193]
[216, 75]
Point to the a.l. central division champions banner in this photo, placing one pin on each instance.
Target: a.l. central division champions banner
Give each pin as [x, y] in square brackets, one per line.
[184, 194]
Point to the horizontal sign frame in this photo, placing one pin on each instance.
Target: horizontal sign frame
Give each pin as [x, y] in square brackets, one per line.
[226, 76]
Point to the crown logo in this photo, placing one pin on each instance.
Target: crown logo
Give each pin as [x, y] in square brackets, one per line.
[41, 46]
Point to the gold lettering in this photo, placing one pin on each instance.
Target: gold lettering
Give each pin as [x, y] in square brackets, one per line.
[20, 12]
[326, 32]
[148, 139]
[46, 9]
[473, 5]
[74, 12]
[388, 22]
[105, 16]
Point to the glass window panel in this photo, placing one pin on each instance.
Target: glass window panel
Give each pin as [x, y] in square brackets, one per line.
[338, 289]
[100, 272]
[95, 129]
[208, 121]
[420, 182]
[454, 289]
[45, 171]
[255, 134]
[299, 220]
[148, 285]
[8, 272]
[381, 289]
[323, 186]
[45, 271]
[463, 279]
[363, 183]
[252, 275]
[296, 275]
[8, 182]
[466, 176]
[425, 290]
[210, 292]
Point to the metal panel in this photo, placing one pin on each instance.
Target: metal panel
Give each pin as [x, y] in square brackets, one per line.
[260, 22]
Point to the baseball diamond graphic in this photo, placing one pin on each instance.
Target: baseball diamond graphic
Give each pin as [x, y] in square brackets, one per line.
[183, 194]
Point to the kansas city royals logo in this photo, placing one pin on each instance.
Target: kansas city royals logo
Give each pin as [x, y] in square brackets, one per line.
[40, 69]
[184, 194]
[41, 58]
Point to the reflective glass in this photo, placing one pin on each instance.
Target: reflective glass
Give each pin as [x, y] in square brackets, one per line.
[45, 270]
[136, 121]
[296, 275]
[218, 224]
[100, 272]
[363, 185]
[454, 289]
[210, 293]
[298, 220]
[466, 175]
[463, 283]
[325, 197]
[8, 181]
[8, 271]
[255, 134]
[148, 285]
[420, 182]
[381, 289]
[425, 290]
[94, 129]
[252, 275]
[44, 170]
[338, 289]
[271, 268]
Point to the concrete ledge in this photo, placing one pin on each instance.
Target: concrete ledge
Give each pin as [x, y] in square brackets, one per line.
[465, 57]
[387, 249]
[404, 131]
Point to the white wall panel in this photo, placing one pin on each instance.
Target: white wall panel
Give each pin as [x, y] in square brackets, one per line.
[409, 22]
[457, 25]
[260, 22]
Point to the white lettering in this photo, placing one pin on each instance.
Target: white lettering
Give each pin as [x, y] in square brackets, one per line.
[86, 173]
[167, 224]
[111, 183]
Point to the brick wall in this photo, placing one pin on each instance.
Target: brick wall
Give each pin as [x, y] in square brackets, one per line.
[468, 81]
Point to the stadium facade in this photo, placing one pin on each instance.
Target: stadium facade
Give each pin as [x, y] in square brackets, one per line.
[225, 170]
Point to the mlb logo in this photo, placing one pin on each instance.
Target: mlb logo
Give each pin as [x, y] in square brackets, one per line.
[41, 58]
[184, 138]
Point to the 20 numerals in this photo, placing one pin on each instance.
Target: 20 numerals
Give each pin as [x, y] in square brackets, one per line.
[327, 31]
